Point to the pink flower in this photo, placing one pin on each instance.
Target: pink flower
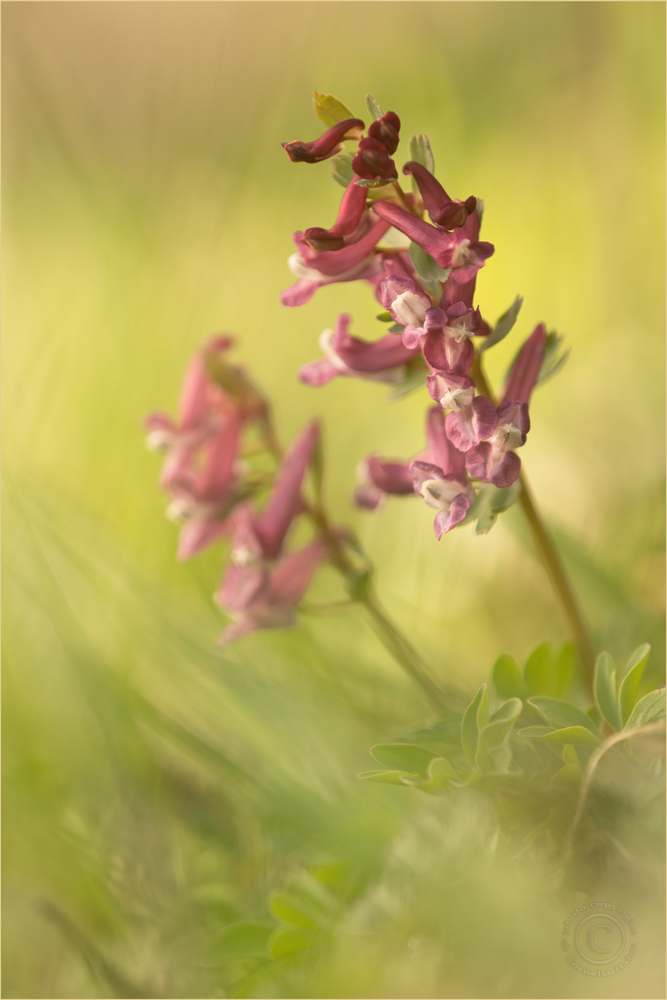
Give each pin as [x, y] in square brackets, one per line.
[344, 229]
[352, 261]
[450, 250]
[200, 472]
[328, 144]
[444, 211]
[408, 305]
[441, 480]
[271, 598]
[381, 360]
[438, 475]
[494, 460]
[263, 585]
[379, 477]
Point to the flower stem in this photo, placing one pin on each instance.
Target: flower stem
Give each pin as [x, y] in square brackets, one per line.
[396, 644]
[404, 653]
[405, 201]
[550, 556]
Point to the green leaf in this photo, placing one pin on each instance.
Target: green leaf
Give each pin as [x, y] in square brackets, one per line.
[573, 734]
[290, 910]
[385, 317]
[493, 734]
[357, 584]
[570, 756]
[425, 266]
[396, 328]
[374, 109]
[491, 501]
[341, 168]
[551, 363]
[538, 669]
[565, 669]
[563, 713]
[246, 939]
[404, 756]
[568, 775]
[414, 378]
[441, 770]
[634, 668]
[475, 718]
[503, 325]
[649, 709]
[508, 711]
[500, 758]
[285, 942]
[507, 678]
[372, 182]
[420, 151]
[441, 776]
[385, 777]
[331, 111]
[604, 686]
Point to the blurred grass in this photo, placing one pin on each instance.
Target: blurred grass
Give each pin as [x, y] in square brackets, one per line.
[156, 790]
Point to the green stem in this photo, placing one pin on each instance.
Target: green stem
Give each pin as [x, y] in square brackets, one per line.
[651, 729]
[405, 201]
[404, 653]
[396, 644]
[552, 561]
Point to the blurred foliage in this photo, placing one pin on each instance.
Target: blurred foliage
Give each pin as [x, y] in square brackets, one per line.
[184, 823]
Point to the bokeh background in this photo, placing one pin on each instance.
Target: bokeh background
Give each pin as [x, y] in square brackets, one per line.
[155, 789]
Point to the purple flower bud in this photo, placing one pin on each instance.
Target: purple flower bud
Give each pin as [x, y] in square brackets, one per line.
[386, 130]
[328, 144]
[373, 162]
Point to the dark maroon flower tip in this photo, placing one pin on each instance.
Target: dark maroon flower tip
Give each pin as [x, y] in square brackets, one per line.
[386, 130]
[323, 239]
[446, 212]
[373, 162]
[321, 149]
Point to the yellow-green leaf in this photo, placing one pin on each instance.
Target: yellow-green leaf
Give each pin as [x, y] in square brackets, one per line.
[331, 111]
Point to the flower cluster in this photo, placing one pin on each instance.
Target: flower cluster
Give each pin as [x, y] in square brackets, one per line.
[215, 492]
[423, 272]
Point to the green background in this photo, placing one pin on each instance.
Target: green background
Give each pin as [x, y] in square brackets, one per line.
[156, 789]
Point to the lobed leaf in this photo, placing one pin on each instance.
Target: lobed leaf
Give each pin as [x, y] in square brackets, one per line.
[604, 685]
[425, 266]
[551, 363]
[649, 709]
[246, 939]
[538, 669]
[629, 686]
[374, 109]
[565, 669]
[421, 152]
[572, 734]
[568, 775]
[286, 941]
[475, 718]
[507, 678]
[331, 111]
[404, 756]
[385, 777]
[290, 910]
[341, 168]
[563, 713]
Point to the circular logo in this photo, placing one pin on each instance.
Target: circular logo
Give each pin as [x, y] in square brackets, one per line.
[597, 939]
